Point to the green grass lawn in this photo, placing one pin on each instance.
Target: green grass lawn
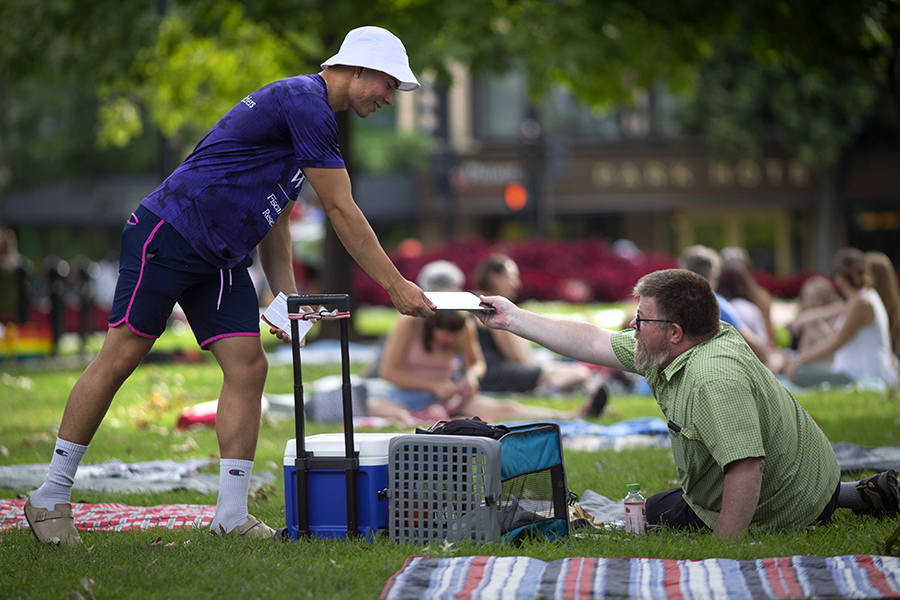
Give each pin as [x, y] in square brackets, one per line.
[192, 564]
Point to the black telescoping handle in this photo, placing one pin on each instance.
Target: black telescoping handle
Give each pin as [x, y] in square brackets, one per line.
[301, 458]
[302, 462]
[349, 450]
[340, 301]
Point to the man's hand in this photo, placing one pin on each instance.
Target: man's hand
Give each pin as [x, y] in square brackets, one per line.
[499, 317]
[285, 336]
[410, 300]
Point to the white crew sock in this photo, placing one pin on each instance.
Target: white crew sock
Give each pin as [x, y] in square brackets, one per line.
[57, 488]
[849, 497]
[234, 485]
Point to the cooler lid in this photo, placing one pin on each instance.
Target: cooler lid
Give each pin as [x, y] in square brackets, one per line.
[369, 445]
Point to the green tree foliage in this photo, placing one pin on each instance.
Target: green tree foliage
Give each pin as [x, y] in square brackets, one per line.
[743, 103]
[809, 75]
[817, 62]
[53, 57]
[201, 64]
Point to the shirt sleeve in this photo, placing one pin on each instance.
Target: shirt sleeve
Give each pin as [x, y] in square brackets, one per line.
[726, 418]
[314, 131]
[623, 344]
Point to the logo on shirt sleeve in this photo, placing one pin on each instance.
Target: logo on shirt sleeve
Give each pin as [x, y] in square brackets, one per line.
[299, 178]
[249, 101]
[267, 213]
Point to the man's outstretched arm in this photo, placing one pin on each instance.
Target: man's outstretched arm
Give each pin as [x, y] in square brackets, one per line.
[354, 231]
[574, 339]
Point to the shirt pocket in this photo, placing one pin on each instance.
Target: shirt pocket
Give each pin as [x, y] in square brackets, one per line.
[684, 439]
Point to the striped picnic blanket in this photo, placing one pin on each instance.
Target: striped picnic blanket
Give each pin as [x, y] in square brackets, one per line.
[118, 517]
[519, 577]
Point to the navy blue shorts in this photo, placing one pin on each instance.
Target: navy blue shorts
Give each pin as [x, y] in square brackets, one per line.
[158, 268]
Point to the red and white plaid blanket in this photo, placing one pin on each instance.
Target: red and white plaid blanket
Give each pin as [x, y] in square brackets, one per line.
[522, 578]
[118, 517]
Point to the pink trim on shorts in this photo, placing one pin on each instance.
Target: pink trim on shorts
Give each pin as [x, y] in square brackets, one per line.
[133, 330]
[138, 284]
[204, 344]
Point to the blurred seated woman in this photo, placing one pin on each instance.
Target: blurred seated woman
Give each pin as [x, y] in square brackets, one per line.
[884, 276]
[820, 305]
[736, 285]
[420, 360]
[511, 366]
[757, 294]
[860, 344]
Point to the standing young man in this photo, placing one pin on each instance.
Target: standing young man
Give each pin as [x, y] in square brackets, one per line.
[189, 240]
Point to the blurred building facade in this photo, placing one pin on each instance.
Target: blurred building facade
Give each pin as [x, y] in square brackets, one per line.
[632, 173]
[629, 173]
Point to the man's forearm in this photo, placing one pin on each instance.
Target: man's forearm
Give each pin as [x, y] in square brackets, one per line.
[740, 496]
[360, 240]
[577, 340]
[276, 255]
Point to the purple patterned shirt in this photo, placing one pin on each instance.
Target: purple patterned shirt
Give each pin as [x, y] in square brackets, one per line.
[226, 195]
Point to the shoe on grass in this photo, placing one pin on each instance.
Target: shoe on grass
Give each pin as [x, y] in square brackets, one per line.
[881, 491]
[596, 402]
[253, 529]
[55, 526]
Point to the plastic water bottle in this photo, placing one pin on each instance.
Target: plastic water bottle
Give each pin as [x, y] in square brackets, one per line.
[635, 510]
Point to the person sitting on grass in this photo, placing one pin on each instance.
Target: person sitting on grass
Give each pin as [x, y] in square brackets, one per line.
[819, 307]
[705, 261]
[511, 364]
[748, 455]
[860, 342]
[420, 360]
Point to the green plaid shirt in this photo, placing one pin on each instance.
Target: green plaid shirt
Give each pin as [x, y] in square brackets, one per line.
[723, 405]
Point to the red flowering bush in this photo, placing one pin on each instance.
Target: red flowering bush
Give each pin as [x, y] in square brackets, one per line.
[573, 271]
[783, 287]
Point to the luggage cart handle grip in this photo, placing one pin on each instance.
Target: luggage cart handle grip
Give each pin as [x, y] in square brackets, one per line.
[341, 301]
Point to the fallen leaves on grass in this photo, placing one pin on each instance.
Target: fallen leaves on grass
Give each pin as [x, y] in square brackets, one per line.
[88, 585]
[17, 383]
[445, 548]
[189, 445]
[891, 545]
[159, 542]
[43, 436]
[261, 494]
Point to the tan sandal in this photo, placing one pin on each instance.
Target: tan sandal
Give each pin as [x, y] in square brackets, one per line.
[247, 530]
[55, 526]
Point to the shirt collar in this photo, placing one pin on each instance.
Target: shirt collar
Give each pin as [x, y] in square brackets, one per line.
[682, 359]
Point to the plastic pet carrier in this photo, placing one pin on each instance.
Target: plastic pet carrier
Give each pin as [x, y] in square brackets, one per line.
[443, 488]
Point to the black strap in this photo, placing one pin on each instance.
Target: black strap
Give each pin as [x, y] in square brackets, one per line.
[474, 426]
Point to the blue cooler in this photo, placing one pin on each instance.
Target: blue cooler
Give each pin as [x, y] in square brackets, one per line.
[327, 487]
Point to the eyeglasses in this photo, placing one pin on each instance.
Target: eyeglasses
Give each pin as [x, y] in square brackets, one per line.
[638, 320]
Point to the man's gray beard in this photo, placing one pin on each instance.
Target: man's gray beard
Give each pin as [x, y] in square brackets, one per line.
[645, 360]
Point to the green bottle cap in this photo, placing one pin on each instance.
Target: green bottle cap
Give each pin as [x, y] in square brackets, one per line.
[633, 487]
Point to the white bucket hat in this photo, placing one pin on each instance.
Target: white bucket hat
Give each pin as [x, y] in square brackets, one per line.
[378, 49]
